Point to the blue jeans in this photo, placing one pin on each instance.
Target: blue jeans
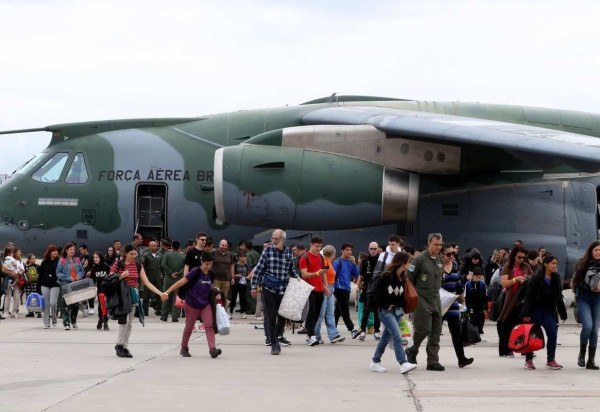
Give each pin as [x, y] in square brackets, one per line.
[327, 312]
[546, 320]
[392, 331]
[588, 305]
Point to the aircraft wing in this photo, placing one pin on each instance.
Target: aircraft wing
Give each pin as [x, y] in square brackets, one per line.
[575, 148]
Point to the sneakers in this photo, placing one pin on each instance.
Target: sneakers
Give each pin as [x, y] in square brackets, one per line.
[163, 318]
[354, 334]
[362, 336]
[377, 336]
[407, 367]
[120, 351]
[553, 365]
[67, 327]
[337, 339]
[214, 352]
[92, 311]
[302, 332]
[230, 316]
[465, 362]
[244, 316]
[376, 367]
[320, 341]
[411, 358]
[46, 326]
[99, 325]
[185, 352]
[508, 355]
[529, 365]
[282, 340]
[267, 342]
[312, 341]
[14, 316]
[127, 353]
[275, 349]
[75, 326]
[435, 367]
[105, 326]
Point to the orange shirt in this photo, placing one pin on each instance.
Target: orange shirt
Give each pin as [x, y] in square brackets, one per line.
[330, 272]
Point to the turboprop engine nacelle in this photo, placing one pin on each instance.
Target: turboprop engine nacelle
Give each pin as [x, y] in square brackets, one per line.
[295, 188]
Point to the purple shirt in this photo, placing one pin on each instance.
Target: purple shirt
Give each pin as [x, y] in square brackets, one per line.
[199, 295]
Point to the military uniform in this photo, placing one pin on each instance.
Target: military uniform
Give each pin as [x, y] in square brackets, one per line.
[172, 262]
[153, 272]
[426, 274]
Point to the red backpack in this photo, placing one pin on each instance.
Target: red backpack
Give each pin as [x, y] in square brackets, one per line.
[527, 337]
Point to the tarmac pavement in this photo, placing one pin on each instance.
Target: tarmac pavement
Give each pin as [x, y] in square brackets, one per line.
[77, 370]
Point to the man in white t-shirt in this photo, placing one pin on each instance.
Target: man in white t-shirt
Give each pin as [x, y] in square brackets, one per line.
[394, 246]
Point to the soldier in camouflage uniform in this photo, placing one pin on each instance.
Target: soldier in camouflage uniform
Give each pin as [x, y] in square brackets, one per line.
[172, 267]
[151, 263]
[425, 272]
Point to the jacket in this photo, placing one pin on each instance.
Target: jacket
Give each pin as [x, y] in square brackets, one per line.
[535, 298]
[63, 270]
[118, 298]
[390, 291]
[47, 275]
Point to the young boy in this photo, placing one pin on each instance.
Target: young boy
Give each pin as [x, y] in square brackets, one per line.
[476, 298]
[242, 270]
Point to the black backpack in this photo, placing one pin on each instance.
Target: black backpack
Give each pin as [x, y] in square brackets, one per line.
[371, 299]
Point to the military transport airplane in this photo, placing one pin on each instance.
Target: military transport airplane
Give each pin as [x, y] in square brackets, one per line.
[483, 175]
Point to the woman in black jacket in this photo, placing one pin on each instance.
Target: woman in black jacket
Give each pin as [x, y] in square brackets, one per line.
[542, 299]
[389, 297]
[98, 272]
[49, 284]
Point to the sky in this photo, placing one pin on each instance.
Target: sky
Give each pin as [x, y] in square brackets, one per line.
[65, 61]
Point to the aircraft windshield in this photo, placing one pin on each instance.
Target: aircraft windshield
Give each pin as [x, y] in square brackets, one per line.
[51, 170]
[30, 164]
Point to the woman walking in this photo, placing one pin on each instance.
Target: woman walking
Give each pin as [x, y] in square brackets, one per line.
[588, 304]
[198, 303]
[69, 270]
[127, 269]
[389, 298]
[49, 285]
[542, 300]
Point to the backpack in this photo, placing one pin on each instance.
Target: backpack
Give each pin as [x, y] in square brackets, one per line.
[371, 299]
[380, 265]
[32, 274]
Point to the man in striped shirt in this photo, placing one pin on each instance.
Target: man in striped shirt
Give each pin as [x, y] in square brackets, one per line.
[272, 274]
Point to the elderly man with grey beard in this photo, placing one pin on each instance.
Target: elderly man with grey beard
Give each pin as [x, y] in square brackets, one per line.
[272, 274]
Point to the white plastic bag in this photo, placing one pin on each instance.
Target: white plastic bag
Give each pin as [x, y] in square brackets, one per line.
[294, 299]
[223, 324]
[447, 298]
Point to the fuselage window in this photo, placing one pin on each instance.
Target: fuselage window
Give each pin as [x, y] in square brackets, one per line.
[30, 164]
[78, 171]
[51, 170]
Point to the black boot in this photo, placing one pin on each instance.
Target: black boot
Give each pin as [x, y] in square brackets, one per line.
[590, 363]
[99, 325]
[581, 357]
[120, 351]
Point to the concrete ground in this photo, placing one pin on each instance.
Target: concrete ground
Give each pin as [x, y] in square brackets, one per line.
[77, 370]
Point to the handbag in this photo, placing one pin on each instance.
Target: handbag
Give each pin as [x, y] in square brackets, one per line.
[294, 299]
[592, 278]
[469, 332]
[411, 297]
[223, 324]
[497, 307]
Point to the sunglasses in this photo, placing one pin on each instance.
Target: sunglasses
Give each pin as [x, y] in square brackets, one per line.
[449, 254]
[520, 257]
[372, 248]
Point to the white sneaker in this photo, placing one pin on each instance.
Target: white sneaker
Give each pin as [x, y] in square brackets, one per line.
[312, 341]
[407, 367]
[376, 367]
[244, 316]
[92, 312]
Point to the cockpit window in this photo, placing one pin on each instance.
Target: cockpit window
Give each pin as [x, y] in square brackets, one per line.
[51, 170]
[30, 164]
[78, 172]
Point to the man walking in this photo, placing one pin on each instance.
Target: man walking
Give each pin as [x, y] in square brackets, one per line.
[346, 271]
[272, 273]
[172, 266]
[223, 266]
[425, 272]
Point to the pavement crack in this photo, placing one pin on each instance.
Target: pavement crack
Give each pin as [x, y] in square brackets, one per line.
[412, 390]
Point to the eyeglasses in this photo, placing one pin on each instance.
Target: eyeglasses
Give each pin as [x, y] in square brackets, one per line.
[202, 240]
[520, 257]
[372, 248]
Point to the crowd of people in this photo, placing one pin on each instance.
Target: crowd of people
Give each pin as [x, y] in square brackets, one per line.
[134, 281]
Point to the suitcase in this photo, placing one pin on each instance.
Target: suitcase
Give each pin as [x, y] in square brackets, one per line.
[527, 337]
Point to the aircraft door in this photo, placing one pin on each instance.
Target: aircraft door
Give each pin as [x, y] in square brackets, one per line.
[150, 210]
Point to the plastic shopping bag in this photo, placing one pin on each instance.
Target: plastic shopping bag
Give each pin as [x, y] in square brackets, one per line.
[447, 298]
[223, 324]
[406, 332]
[294, 299]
